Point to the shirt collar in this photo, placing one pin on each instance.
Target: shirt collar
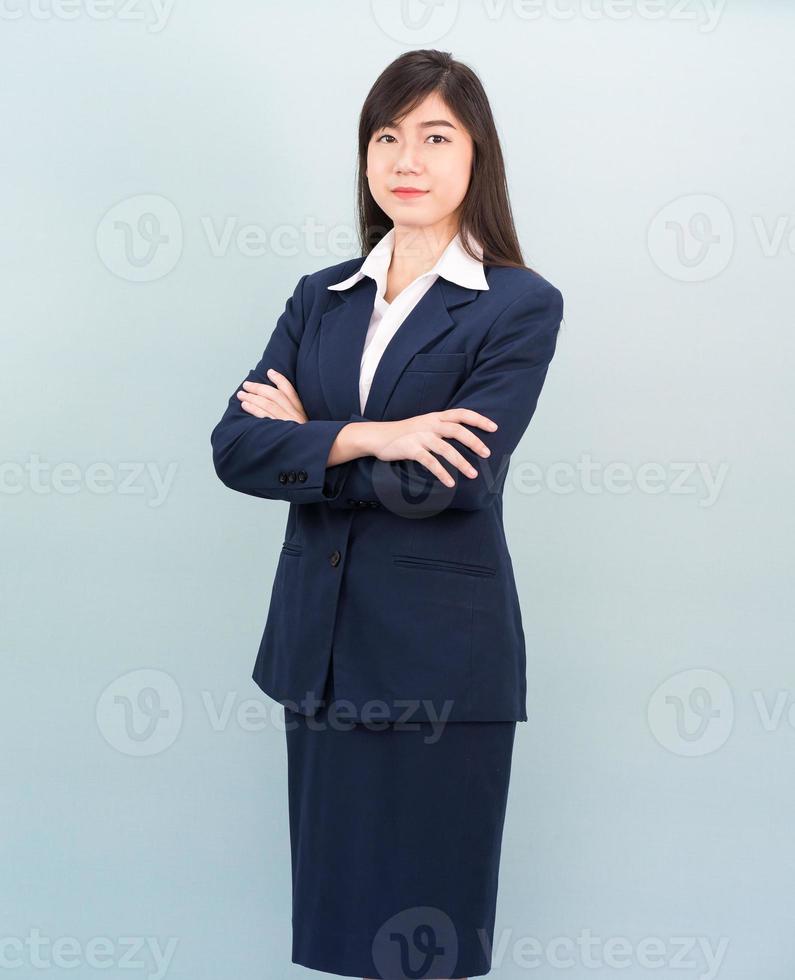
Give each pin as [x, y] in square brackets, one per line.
[453, 264]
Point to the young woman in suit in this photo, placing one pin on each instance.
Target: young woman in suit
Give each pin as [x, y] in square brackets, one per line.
[385, 408]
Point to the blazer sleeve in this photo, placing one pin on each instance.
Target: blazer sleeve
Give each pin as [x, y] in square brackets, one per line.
[276, 458]
[504, 385]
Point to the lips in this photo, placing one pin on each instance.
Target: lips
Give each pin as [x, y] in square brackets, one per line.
[408, 192]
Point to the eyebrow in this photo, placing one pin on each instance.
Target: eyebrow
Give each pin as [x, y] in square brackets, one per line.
[422, 125]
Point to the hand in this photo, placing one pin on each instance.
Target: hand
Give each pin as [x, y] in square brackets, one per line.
[267, 402]
[422, 435]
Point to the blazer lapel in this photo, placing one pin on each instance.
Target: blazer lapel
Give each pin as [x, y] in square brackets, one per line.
[343, 331]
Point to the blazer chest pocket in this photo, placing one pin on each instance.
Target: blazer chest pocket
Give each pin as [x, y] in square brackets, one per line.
[438, 363]
[429, 382]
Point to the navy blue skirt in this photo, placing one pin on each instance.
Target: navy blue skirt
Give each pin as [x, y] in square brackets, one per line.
[395, 834]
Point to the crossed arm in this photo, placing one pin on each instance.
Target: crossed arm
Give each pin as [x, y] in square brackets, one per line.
[290, 457]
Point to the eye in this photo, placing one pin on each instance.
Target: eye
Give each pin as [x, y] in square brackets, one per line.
[433, 136]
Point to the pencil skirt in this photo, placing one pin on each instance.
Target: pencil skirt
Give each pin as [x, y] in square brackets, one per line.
[395, 837]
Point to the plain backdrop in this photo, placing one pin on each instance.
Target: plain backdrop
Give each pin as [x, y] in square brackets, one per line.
[168, 176]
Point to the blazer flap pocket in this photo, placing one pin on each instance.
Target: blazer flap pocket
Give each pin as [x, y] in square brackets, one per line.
[451, 363]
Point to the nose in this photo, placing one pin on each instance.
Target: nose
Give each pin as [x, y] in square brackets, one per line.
[408, 160]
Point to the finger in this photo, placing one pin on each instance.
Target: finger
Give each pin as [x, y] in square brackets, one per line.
[450, 453]
[468, 416]
[272, 402]
[284, 384]
[269, 409]
[454, 430]
[266, 391]
[280, 395]
[430, 462]
[255, 410]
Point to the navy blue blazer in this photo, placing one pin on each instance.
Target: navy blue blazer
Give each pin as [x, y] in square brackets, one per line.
[408, 580]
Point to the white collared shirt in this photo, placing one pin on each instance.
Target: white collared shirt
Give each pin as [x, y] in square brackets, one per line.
[453, 264]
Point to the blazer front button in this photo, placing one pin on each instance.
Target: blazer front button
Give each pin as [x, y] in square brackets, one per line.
[335, 558]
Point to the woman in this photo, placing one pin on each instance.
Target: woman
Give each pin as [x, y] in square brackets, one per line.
[385, 408]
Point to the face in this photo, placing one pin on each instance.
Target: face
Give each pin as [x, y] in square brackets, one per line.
[428, 150]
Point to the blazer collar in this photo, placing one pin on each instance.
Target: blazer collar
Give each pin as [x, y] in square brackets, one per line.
[343, 330]
[454, 264]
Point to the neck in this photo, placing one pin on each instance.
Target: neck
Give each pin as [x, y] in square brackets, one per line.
[416, 250]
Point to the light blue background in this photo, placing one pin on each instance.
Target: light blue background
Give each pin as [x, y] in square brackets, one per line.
[635, 811]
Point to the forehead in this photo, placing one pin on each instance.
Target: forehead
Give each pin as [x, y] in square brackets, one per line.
[432, 107]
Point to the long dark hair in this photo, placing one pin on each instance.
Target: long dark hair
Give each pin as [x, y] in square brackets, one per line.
[485, 211]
